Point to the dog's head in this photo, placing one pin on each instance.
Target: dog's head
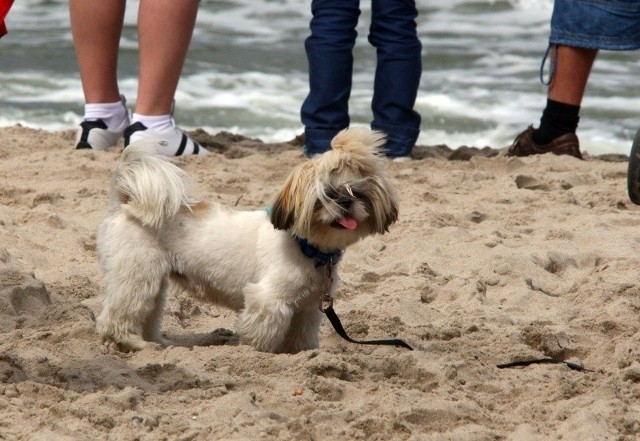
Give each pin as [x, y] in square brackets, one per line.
[341, 196]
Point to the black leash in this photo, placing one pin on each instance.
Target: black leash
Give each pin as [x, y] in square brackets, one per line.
[326, 306]
[335, 321]
[326, 261]
[570, 365]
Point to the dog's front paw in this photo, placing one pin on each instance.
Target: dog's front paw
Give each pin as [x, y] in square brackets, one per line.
[263, 325]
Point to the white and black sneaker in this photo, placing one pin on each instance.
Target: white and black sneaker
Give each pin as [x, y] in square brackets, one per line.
[170, 142]
[95, 131]
[96, 135]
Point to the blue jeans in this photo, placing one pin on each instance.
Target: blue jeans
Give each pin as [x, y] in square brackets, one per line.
[325, 111]
[596, 24]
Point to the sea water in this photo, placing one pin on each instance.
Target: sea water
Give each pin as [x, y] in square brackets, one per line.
[246, 72]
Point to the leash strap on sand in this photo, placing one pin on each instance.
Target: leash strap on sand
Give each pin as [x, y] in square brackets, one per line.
[326, 306]
[335, 321]
[570, 365]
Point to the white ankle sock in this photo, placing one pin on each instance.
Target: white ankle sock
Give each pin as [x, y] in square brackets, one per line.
[113, 114]
[155, 123]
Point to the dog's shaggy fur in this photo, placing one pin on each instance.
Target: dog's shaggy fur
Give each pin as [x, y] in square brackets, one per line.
[251, 262]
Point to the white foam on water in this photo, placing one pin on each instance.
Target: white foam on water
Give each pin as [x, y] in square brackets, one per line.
[246, 72]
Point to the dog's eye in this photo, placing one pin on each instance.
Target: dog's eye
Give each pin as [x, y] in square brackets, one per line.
[332, 194]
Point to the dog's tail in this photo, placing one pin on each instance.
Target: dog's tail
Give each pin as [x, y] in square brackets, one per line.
[148, 186]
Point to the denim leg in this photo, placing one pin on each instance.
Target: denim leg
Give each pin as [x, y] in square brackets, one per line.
[399, 68]
[325, 111]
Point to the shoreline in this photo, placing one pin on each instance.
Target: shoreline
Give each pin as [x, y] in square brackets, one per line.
[221, 141]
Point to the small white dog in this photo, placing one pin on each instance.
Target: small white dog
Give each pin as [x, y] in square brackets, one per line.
[273, 268]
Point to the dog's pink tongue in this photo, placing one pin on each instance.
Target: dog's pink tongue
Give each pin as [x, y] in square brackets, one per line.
[348, 222]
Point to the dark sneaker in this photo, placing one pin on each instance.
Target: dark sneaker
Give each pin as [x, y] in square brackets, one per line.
[633, 172]
[524, 145]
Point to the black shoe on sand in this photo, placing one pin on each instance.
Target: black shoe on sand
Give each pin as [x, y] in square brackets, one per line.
[633, 172]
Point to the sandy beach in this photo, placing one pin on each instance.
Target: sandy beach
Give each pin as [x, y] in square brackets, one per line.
[493, 260]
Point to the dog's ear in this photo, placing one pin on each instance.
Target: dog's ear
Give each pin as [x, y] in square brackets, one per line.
[384, 205]
[390, 216]
[293, 207]
[385, 214]
[282, 211]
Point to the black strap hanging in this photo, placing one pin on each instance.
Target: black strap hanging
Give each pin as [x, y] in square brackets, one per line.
[327, 308]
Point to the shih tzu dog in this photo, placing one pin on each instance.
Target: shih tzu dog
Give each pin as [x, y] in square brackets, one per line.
[273, 267]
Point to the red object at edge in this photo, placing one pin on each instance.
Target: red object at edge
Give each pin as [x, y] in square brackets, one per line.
[5, 5]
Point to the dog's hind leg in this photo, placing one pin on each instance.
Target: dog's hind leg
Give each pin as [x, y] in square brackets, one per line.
[131, 313]
[132, 316]
[151, 327]
[135, 274]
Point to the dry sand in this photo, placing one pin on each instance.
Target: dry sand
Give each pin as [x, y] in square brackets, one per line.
[494, 259]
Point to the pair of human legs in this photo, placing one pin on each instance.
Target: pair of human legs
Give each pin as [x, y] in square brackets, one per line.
[165, 28]
[329, 48]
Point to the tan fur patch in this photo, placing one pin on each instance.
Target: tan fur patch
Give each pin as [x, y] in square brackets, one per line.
[199, 210]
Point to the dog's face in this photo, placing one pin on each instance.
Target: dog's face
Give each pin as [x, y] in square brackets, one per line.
[339, 197]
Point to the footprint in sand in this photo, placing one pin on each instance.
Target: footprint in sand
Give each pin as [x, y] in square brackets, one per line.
[23, 299]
